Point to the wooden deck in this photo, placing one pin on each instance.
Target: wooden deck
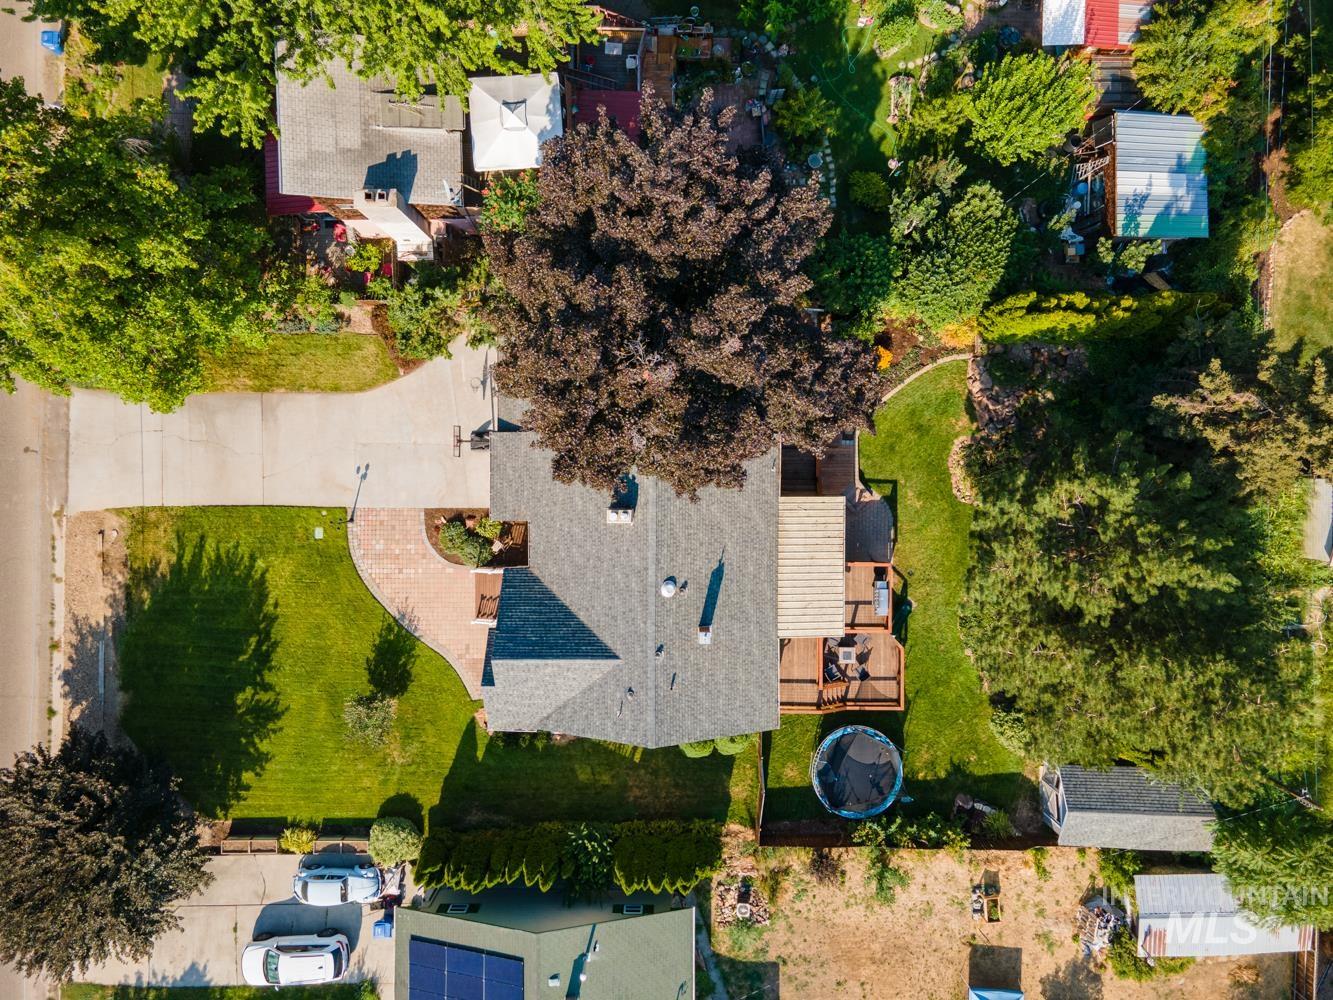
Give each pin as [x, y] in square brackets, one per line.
[860, 591]
[486, 585]
[811, 681]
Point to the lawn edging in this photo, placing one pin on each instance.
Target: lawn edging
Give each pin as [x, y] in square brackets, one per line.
[960, 356]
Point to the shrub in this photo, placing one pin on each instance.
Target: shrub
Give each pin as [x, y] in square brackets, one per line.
[369, 718]
[297, 840]
[1117, 870]
[931, 831]
[507, 200]
[394, 840]
[489, 528]
[587, 862]
[365, 257]
[699, 748]
[1039, 867]
[895, 27]
[804, 117]
[1010, 728]
[1123, 956]
[885, 878]
[730, 746]
[1071, 317]
[853, 276]
[941, 14]
[870, 190]
[998, 826]
[666, 856]
[825, 868]
[469, 546]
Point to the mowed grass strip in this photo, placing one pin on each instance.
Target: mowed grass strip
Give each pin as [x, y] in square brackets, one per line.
[246, 636]
[944, 733]
[303, 362]
[1301, 310]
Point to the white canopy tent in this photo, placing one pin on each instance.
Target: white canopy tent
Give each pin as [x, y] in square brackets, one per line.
[511, 117]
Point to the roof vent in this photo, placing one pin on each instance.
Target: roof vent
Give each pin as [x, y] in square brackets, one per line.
[669, 587]
[554, 981]
[457, 908]
[619, 515]
[632, 909]
[705, 635]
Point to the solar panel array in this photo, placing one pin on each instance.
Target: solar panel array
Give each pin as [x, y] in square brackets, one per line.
[439, 971]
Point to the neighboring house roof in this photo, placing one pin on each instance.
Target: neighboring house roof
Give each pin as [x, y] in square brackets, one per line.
[622, 106]
[1103, 24]
[1319, 521]
[515, 940]
[584, 641]
[1113, 23]
[346, 134]
[1063, 22]
[811, 569]
[511, 117]
[1124, 808]
[1161, 189]
[1197, 916]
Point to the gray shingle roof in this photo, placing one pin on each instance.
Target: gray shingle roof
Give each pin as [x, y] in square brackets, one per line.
[336, 140]
[1124, 808]
[585, 644]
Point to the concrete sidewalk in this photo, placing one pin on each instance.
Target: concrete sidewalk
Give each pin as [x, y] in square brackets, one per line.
[302, 449]
[249, 895]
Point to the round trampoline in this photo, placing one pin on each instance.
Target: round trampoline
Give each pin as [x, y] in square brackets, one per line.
[856, 772]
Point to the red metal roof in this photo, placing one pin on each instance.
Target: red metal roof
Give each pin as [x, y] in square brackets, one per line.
[621, 105]
[275, 201]
[1111, 24]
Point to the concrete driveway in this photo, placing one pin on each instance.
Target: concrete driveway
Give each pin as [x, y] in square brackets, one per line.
[250, 895]
[304, 449]
[21, 53]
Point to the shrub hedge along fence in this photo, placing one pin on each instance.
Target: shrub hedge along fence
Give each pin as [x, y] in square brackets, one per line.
[657, 856]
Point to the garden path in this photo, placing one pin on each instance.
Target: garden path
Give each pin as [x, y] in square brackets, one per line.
[433, 599]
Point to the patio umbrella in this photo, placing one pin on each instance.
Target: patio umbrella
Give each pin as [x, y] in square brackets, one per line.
[511, 117]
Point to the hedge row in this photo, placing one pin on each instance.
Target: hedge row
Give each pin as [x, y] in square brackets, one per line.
[1075, 316]
[659, 856]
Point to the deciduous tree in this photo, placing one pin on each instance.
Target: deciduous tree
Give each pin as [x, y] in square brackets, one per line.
[116, 272]
[654, 312]
[96, 848]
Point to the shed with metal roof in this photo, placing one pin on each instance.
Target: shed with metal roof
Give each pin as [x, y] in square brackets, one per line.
[1159, 184]
[1198, 916]
[1319, 522]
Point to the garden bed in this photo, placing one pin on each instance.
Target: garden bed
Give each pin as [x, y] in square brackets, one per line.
[513, 536]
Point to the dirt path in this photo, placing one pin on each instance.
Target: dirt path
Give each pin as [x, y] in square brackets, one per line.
[95, 574]
[835, 940]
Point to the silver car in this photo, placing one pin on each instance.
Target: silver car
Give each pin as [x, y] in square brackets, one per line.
[329, 885]
[295, 959]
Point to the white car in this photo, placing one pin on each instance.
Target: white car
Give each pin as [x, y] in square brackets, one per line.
[326, 885]
[295, 959]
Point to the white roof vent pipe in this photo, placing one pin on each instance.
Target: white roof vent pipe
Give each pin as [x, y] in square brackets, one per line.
[669, 587]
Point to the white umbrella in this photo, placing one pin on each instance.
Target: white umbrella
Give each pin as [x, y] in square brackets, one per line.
[511, 117]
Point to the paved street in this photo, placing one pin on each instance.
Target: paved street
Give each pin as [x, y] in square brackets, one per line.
[249, 895]
[31, 462]
[290, 448]
[21, 53]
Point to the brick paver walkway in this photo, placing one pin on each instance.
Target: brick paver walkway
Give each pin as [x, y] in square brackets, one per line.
[434, 599]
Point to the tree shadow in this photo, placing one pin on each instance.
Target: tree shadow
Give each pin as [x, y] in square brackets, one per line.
[404, 805]
[389, 665]
[491, 782]
[995, 967]
[195, 659]
[1076, 980]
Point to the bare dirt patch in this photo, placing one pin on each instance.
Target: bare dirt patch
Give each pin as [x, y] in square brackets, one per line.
[95, 577]
[833, 939]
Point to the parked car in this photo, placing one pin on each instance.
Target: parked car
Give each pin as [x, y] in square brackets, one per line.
[295, 959]
[328, 885]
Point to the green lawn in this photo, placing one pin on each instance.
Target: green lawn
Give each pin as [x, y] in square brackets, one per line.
[84, 991]
[303, 362]
[1301, 310]
[101, 88]
[245, 637]
[946, 740]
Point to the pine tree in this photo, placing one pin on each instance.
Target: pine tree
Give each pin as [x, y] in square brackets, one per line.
[1278, 860]
[96, 848]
